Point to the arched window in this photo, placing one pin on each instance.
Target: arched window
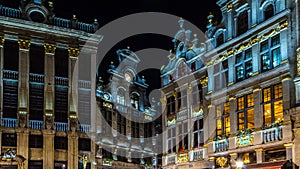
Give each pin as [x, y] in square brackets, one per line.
[220, 39]
[121, 97]
[268, 12]
[181, 69]
[242, 23]
[134, 100]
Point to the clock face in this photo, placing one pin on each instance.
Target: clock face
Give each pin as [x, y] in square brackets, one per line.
[128, 77]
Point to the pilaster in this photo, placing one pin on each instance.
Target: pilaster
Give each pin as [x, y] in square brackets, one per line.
[48, 149]
[1, 74]
[258, 118]
[23, 91]
[23, 144]
[73, 150]
[260, 155]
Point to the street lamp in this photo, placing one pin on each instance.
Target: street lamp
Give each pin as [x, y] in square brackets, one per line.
[239, 164]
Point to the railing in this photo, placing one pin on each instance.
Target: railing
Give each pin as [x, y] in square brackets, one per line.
[272, 134]
[61, 126]
[171, 159]
[9, 122]
[182, 115]
[36, 124]
[85, 26]
[62, 81]
[39, 78]
[121, 108]
[84, 84]
[198, 154]
[221, 145]
[62, 22]
[84, 128]
[10, 74]
[10, 12]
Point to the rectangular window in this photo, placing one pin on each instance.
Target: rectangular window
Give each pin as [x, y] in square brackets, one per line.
[171, 139]
[135, 129]
[170, 105]
[35, 164]
[121, 124]
[221, 75]
[9, 140]
[107, 121]
[84, 144]
[272, 104]
[84, 106]
[243, 66]
[245, 112]
[11, 55]
[61, 62]
[198, 133]
[60, 142]
[148, 130]
[223, 119]
[61, 103]
[35, 141]
[270, 53]
[36, 101]
[10, 99]
[37, 59]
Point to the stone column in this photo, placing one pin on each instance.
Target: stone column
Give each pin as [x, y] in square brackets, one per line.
[73, 150]
[23, 92]
[258, 118]
[48, 149]
[23, 144]
[260, 155]
[296, 147]
[49, 85]
[233, 159]
[289, 151]
[1, 74]
[73, 109]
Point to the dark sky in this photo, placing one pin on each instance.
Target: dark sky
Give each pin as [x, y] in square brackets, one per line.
[194, 11]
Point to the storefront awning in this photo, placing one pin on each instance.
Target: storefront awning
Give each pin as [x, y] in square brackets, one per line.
[268, 165]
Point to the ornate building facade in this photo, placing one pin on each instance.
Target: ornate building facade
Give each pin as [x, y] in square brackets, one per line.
[235, 97]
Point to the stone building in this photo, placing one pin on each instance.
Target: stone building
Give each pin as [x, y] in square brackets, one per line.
[234, 98]
[40, 85]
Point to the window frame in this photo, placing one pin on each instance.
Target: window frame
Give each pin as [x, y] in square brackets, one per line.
[243, 64]
[244, 110]
[224, 115]
[268, 53]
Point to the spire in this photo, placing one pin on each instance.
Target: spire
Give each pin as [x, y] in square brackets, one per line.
[210, 18]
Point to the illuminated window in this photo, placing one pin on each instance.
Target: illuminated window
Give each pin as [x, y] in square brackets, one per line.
[221, 75]
[269, 12]
[270, 53]
[171, 140]
[198, 133]
[245, 112]
[223, 119]
[242, 23]
[121, 97]
[243, 65]
[170, 105]
[272, 104]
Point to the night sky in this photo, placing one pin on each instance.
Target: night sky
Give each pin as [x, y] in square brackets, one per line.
[109, 10]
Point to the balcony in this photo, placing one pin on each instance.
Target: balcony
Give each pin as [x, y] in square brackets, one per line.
[272, 134]
[85, 84]
[9, 122]
[38, 78]
[10, 12]
[61, 81]
[9, 74]
[84, 128]
[36, 124]
[196, 155]
[221, 145]
[60, 126]
[170, 159]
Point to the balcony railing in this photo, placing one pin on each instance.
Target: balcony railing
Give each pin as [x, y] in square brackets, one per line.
[171, 159]
[84, 84]
[272, 134]
[36, 124]
[62, 22]
[221, 145]
[39, 78]
[197, 155]
[84, 128]
[61, 81]
[61, 126]
[9, 122]
[10, 74]
[85, 27]
[10, 12]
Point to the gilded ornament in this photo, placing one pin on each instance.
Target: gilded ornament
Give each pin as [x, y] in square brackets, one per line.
[204, 82]
[222, 161]
[283, 25]
[2, 40]
[24, 44]
[49, 48]
[229, 7]
[73, 52]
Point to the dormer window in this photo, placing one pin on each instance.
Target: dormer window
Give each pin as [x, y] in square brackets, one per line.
[268, 12]
[121, 97]
[242, 24]
[134, 100]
